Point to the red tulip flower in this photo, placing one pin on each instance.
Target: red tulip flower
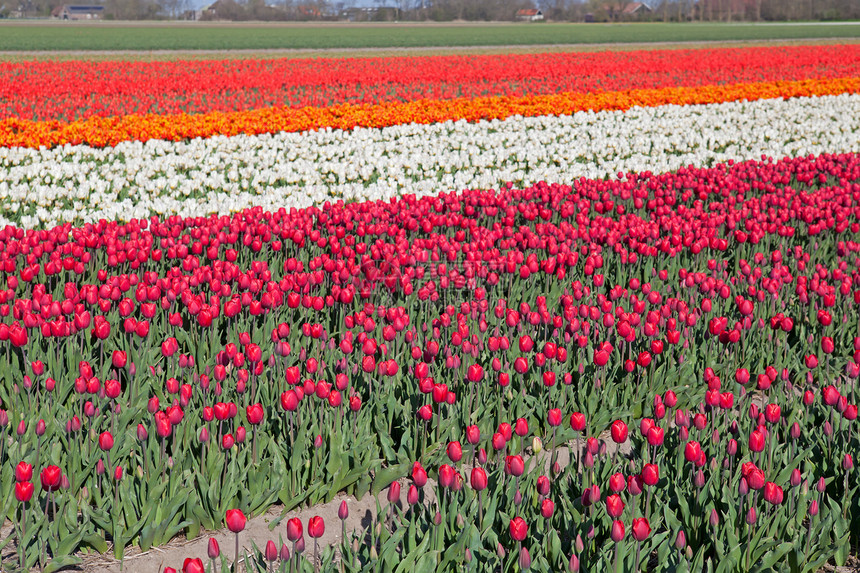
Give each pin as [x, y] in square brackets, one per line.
[192, 565]
[641, 529]
[619, 432]
[692, 451]
[519, 529]
[235, 520]
[23, 472]
[50, 478]
[614, 506]
[24, 491]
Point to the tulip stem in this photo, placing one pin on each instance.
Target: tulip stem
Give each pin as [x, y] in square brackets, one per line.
[616, 557]
[236, 560]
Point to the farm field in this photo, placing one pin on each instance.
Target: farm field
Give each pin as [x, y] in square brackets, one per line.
[59, 36]
[546, 312]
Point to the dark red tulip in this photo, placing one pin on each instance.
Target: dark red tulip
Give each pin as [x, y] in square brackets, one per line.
[294, 529]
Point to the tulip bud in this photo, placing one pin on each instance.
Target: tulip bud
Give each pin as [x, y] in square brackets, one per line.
[751, 516]
[537, 445]
[813, 508]
[525, 559]
[680, 540]
[284, 554]
[847, 462]
[573, 565]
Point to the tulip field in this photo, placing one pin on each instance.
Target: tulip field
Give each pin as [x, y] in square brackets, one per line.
[560, 312]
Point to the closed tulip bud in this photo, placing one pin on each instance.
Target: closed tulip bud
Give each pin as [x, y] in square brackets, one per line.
[680, 540]
[813, 508]
[751, 516]
[411, 495]
[525, 559]
[478, 479]
[847, 462]
[699, 479]
[473, 435]
[482, 456]
[284, 553]
[294, 529]
[617, 531]
[714, 520]
[393, 494]
[573, 565]
[579, 544]
[214, 550]
[271, 552]
[518, 497]
[343, 510]
[537, 445]
[454, 451]
[500, 551]
[300, 545]
[543, 485]
[796, 477]
[743, 486]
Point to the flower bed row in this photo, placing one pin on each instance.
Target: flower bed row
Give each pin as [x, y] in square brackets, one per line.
[68, 91]
[221, 175]
[99, 132]
[704, 321]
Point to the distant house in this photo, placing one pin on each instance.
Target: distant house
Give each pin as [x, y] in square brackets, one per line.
[635, 10]
[78, 12]
[530, 15]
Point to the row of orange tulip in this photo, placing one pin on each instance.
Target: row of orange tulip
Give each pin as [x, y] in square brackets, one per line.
[99, 131]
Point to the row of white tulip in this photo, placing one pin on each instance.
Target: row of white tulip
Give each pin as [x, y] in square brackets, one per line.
[39, 188]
